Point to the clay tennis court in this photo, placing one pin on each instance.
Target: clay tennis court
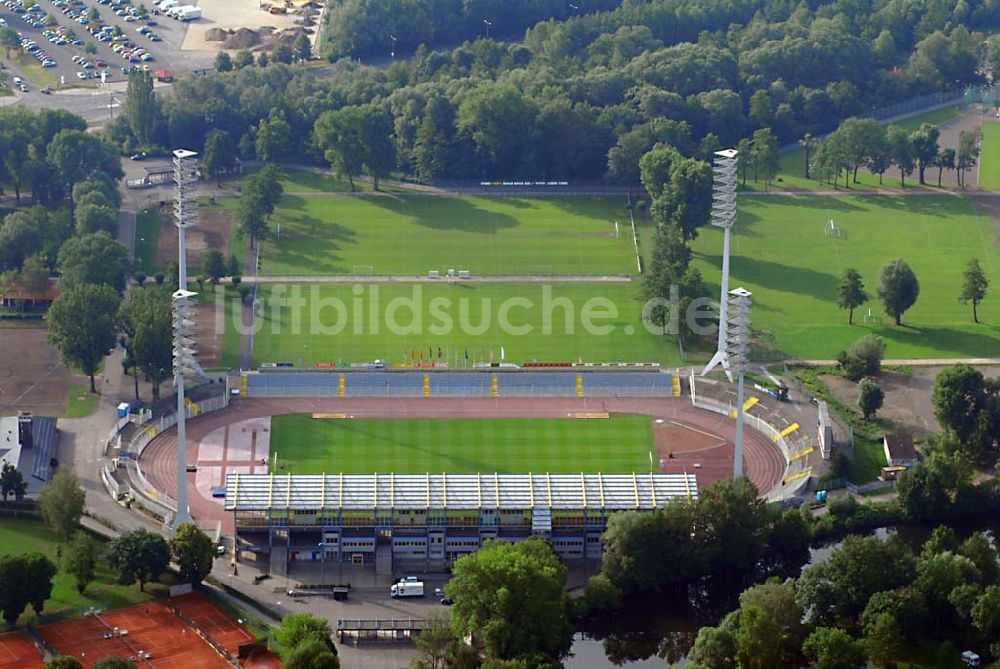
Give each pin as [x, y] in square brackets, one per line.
[151, 628]
[32, 375]
[18, 652]
[702, 441]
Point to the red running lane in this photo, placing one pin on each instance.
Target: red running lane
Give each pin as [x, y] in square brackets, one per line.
[763, 462]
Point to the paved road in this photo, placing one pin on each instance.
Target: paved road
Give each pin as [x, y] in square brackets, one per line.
[925, 362]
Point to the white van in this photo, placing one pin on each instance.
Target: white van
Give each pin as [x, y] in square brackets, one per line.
[970, 659]
[17, 81]
[167, 4]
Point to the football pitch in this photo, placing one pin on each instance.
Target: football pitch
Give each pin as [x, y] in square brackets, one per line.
[463, 445]
[989, 156]
[781, 253]
[558, 322]
[414, 234]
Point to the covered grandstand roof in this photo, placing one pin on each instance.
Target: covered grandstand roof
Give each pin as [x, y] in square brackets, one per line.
[456, 491]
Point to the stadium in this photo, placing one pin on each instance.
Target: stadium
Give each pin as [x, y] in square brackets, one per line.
[388, 512]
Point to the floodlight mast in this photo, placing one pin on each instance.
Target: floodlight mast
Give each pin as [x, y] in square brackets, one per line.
[738, 354]
[723, 216]
[185, 215]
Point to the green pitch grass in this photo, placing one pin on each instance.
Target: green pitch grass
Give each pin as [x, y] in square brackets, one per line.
[474, 311]
[325, 235]
[19, 536]
[780, 253]
[464, 445]
[989, 156]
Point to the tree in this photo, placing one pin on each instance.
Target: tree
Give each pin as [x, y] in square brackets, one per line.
[242, 58]
[851, 292]
[965, 405]
[302, 48]
[61, 503]
[92, 218]
[63, 662]
[765, 155]
[979, 549]
[250, 219]
[193, 551]
[731, 523]
[139, 556]
[974, 285]
[223, 62]
[214, 266]
[20, 237]
[931, 487]
[832, 648]
[219, 152]
[298, 628]
[898, 288]
[34, 275]
[80, 559]
[986, 615]
[806, 144]
[274, 137]
[512, 597]
[262, 59]
[870, 398]
[282, 54]
[435, 640]
[901, 151]
[311, 654]
[114, 662]
[868, 351]
[12, 482]
[835, 592]
[434, 147]
[945, 161]
[770, 630]
[39, 572]
[14, 587]
[83, 324]
[337, 136]
[93, 258]
[140, 105]
[79, 155]
[147, 326]
[233, 267]
[716, 647]
[967, 154]
[925, 147]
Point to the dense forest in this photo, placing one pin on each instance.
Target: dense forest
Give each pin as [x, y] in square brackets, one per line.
[577, 91]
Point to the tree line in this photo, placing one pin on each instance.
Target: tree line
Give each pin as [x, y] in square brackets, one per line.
[585, 95]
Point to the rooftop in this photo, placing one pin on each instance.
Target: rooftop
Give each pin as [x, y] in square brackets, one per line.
[900, 446]
[456, 491]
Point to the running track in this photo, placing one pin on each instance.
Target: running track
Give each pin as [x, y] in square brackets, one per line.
[762, 463]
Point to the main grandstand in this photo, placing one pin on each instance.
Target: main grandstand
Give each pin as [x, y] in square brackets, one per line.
[433, 518]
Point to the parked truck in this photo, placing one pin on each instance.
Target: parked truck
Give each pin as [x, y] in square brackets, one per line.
[189, 13]
[407, 589]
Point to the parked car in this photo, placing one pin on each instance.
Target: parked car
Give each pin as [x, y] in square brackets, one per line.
[138, 156]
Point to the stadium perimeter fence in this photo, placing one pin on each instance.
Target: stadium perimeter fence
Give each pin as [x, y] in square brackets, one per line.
[794, 447]
[461, 384]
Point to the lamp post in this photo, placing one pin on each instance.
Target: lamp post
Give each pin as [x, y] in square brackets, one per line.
[393, 52]
[738, 354]
[488, 24]
[723, 216]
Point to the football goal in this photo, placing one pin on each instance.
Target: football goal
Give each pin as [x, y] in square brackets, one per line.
[362, 270]
[832, 229]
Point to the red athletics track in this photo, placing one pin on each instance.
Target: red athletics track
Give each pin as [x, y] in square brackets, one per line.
[762, 462]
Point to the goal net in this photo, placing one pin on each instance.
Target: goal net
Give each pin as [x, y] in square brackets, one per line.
[362, 270]
[832, 229]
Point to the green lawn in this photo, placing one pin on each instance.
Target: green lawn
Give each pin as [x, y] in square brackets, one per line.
[791, 165]
[464, 445]
[82, 402]
[989, 157]
[18, 536]
[456, 317]
[417, 233]
[868, 461]
[780, 253]
[147, 236]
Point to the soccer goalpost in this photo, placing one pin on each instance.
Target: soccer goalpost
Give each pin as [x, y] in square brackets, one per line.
[362, 270]
[832, 230]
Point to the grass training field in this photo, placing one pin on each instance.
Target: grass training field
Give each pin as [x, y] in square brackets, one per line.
[21, 535]
[147, 235]
[323, 235]
[457, 317]
[780, 253]
[989, 156]
[464, 445]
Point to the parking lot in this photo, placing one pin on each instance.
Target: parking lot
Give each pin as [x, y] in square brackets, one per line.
[115, 29]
